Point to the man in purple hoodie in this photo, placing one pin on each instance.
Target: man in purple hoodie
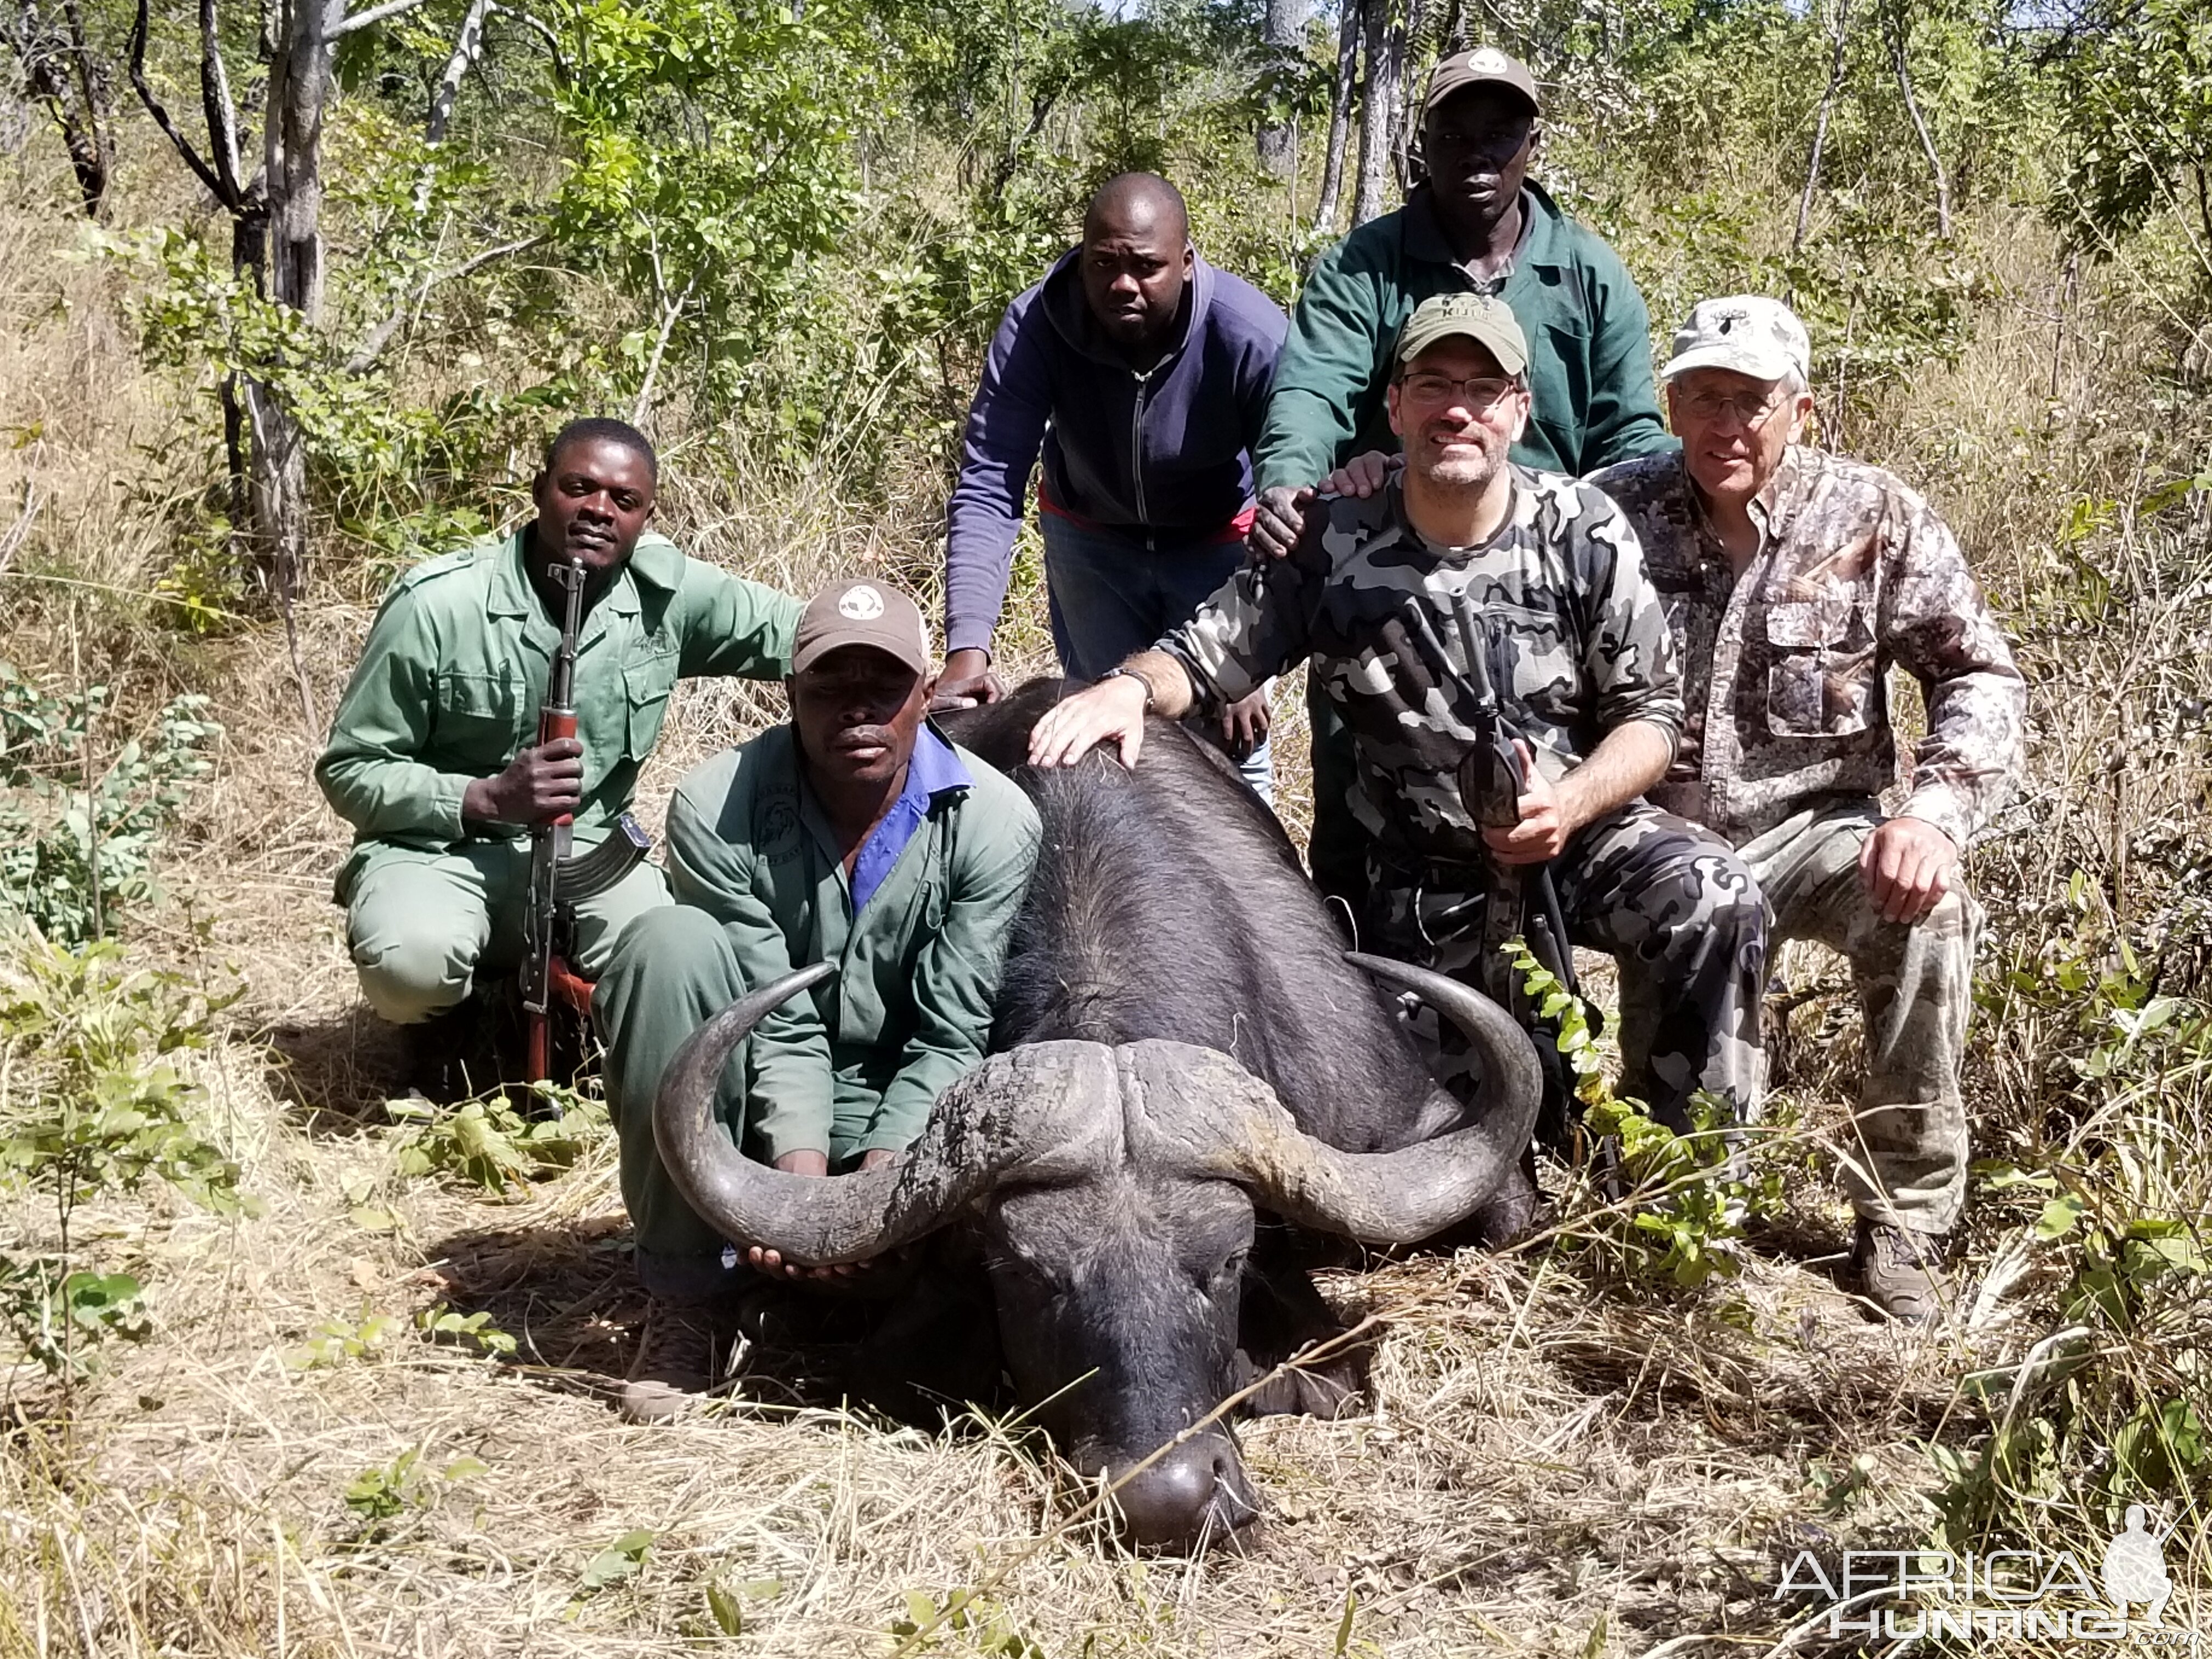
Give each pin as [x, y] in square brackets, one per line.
[1141, 374]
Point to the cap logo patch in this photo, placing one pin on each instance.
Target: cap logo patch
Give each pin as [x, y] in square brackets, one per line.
[862, 603]
[1488, 60]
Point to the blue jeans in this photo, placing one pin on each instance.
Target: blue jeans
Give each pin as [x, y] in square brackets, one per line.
[1111, 598]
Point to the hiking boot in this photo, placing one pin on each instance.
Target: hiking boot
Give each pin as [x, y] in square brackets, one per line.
[674, 1368]
[1898, 1269]
[445, 1053]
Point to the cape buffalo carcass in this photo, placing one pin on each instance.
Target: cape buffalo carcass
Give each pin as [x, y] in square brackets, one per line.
[1179, 1038]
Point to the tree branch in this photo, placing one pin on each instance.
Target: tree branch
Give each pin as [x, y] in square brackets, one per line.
[216, 105]
[380, 336]
[184, 146]
[468, 43]
[543, 30]
[373, 16]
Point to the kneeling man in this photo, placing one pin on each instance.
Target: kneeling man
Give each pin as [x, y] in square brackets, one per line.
[433, 757]
[1469, 589]
[855, 834]
[1793, 580]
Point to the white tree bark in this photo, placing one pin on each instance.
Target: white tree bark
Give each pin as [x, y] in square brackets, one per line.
[1340, 114]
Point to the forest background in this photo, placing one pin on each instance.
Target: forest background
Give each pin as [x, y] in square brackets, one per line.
[290, 294]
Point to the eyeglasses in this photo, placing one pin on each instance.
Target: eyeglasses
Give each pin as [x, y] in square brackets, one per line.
[1482, 392]
[1749, 407]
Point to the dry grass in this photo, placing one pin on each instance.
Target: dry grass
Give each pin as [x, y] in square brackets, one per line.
[1553, 1464]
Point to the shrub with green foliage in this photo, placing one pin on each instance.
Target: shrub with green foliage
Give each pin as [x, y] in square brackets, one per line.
[79, 825]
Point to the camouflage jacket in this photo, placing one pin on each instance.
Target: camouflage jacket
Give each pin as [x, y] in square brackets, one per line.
[1785, 669]
[1554, 612]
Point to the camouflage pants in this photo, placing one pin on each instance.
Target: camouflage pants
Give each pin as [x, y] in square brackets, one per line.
[1914, 980]
[1670, 901]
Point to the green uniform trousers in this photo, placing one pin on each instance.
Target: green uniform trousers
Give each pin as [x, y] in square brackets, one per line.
[422, 925]
[1905, 1159]
[676, 970]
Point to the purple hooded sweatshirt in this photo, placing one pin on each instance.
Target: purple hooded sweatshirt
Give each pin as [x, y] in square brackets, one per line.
[1161, 458]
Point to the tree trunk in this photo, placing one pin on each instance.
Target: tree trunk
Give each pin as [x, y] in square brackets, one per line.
[299, 88]
[1339, 115]
[1282, 36]
[1837, 63]
[1898, 25]
[1405, 125]
[1378, 109]
[60, 72]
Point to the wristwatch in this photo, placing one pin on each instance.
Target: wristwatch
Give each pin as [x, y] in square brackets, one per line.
[1124, 670]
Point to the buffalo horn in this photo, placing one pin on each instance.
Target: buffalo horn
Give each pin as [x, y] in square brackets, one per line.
[983, 1125]
[1401, 1197]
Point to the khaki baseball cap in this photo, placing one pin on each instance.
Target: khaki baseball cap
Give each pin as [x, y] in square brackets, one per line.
[860, 611]
[1485, 65]
[1746, 332]
[1483, 318]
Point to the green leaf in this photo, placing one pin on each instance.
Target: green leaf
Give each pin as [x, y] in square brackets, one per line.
[618, 1560]
[727, 1611]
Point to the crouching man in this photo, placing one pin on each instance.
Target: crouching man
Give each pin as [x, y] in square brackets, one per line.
[1793, 580]
[1471, 588]
[433, 757]
[855, 834]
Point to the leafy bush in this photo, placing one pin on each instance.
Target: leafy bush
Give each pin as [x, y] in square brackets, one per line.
[1686, 1197]
[57, 1318]
[76, 851]
[489, 1143]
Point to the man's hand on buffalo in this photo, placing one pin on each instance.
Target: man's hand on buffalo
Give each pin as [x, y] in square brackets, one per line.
[1113, 710]
[814, 1164]
[541, 782]
[967, 681]
[1280, 517]
[1907, 866]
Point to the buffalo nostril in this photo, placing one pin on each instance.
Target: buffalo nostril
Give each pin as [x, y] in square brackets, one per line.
[1190, 1497]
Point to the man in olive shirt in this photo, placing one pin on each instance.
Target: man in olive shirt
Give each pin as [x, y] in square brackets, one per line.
[1476, 224]
[856, 834]
[433, 757]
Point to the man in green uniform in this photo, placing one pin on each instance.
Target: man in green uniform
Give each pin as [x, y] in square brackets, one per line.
[856, 834]
[433, 757]
[1477, 224]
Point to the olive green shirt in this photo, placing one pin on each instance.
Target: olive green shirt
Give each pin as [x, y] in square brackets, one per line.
[856, 1063]
[448, 687]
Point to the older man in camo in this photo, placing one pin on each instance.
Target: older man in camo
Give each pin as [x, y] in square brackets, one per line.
[1793, 581]
[1469, 578]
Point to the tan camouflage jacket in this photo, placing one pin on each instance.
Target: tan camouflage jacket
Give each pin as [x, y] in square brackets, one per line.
[1785, 671]
[1554, 612]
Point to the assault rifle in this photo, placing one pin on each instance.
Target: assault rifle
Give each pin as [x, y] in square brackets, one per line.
[558, 878]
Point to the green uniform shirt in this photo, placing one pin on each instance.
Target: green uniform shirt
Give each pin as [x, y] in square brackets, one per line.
[1589, 345]
[449, 684]
[854, 1064]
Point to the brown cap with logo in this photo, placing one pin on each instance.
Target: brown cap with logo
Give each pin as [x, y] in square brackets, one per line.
[1483, 66]
[860, 611]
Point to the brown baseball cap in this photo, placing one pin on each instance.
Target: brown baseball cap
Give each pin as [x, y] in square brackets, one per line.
[1483, 66]
[861, 611]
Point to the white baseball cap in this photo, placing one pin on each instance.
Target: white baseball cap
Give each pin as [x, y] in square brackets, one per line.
[1746, 332]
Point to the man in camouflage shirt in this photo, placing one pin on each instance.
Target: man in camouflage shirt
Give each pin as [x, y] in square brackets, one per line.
[1793, 580]
[1470, 577]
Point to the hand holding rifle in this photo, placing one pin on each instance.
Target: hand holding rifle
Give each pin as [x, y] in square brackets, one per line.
[542, 783]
